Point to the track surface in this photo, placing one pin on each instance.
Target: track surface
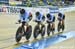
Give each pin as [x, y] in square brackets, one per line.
[8, 29]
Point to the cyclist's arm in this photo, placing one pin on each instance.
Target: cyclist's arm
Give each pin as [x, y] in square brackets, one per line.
[43, 18]
[30, 16]
[63, 18]
[54, 19]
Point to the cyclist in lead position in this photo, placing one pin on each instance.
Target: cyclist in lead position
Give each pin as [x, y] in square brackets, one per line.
[25, 29]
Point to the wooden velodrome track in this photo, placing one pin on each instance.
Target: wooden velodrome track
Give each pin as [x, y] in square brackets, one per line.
[8, 29]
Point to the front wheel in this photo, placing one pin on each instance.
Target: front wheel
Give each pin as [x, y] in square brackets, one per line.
[48, 29]
[19, 34]
[43, 31]
[60, 27]
[36, 31]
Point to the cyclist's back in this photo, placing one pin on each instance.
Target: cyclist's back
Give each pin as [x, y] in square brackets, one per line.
[25, 15]
[61, 16]
[39, 17]
[50, 18]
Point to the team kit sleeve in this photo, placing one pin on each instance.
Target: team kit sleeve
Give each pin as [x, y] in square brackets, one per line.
[63, 17]
[54, 19]
[43, 18]
[30, 16]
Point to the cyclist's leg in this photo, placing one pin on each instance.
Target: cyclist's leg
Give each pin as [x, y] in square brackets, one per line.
[23, 24]
[63, 27]
[53, 28]
[59, 26]
[18, 34]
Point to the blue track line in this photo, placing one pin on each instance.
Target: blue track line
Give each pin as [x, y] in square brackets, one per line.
[41, 44]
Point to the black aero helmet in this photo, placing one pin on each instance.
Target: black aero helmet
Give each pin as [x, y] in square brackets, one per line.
[48, 15]
[60, 14]
[22, 11]
[37, 13]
